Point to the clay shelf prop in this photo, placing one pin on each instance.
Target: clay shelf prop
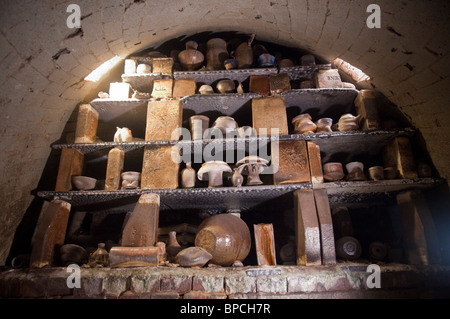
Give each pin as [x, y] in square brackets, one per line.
[252, 166]
[212, 171]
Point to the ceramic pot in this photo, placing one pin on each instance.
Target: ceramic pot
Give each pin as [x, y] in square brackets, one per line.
[100, 257]
[355, 171]
[252, 166]
[237, 179]
[191, 59]
[324, 125]
[303, 124]
[244, 55]
[143, 69]
[198, 125]
[188, 176]
[123, 135]
[226, 237]
[83, 183]
[73, 254]
[286, 63]
[206, 89]
[226, 86]
[376, 173]
[216, 54]
[225, 124]
[348, 122]
[266, 60]
[212, 171]
[130, 180]
[333, 172]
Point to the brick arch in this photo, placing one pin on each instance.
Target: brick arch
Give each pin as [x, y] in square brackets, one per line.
[43, 64]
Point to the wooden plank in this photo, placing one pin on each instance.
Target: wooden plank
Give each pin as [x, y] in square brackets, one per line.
[326, 227]
[420, 237]
[50, 233]
[307, 229]
[141, 228]
[265, 244]
[70, 164]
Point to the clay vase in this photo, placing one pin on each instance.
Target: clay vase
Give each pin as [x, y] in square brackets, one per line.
[216, 54]
[130, 180]
[172, 247]
[225, 86]
[226, 237]
[355, 171]
[333, 172]
[123, 135]
[244, 55]
[188, 176]
[303, 124]
[348, 122]
[191, 59]
[237, 179]
[324, 125]
[198, 125]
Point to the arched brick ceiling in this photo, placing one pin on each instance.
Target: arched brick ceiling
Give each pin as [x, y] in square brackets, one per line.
[43, 64]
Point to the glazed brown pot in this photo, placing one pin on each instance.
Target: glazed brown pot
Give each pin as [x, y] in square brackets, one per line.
[226, 237]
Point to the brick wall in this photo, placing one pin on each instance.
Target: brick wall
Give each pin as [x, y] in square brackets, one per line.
[43, 64]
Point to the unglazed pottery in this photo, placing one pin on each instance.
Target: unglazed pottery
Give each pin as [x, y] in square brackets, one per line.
[390, 173]
[226, 237]
[188, 176]
[333, 172]
[212, 171]
[244, 54]
[252, 166]
[355, 171]
[237, 179]
[198, 125]
[130, 180]
[348, 122]
[193, 257]
[83, 183]
[206, 89]
[376, 173]
[172, 247]
[246, 131]
[324, 125]
[225, 124]
[226, 86]
[216, 54]
[143, 69]
[123, 135]
[303, 124]
[191, 59]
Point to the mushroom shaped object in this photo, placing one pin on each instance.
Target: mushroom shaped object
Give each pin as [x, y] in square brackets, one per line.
[212, 171]
[225, 124]
[252, 166]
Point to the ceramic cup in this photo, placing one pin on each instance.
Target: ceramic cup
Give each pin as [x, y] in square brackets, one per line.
[376, 173]
[198, 125]
[333, 172]
[390, 173]
[355, 171]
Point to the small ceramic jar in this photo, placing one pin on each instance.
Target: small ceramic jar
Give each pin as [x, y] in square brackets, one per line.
[324, 125]
[303, 124]
[376, 173]
[333, 172]
[198, 125]
[355, 171]
[143, 69]
[226, 86]
[130, 180]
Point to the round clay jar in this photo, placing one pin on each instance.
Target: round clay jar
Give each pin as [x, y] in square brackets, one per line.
[226, 237]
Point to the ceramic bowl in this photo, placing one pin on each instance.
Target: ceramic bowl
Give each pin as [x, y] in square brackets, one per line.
[83, 183]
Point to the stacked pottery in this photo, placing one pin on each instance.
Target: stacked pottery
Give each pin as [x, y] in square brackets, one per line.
[333, 172]
[130, 180]
[324, 125]
[355, 171]
[303, 124]
[216, 54]
[191, 59]
[348, 122]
